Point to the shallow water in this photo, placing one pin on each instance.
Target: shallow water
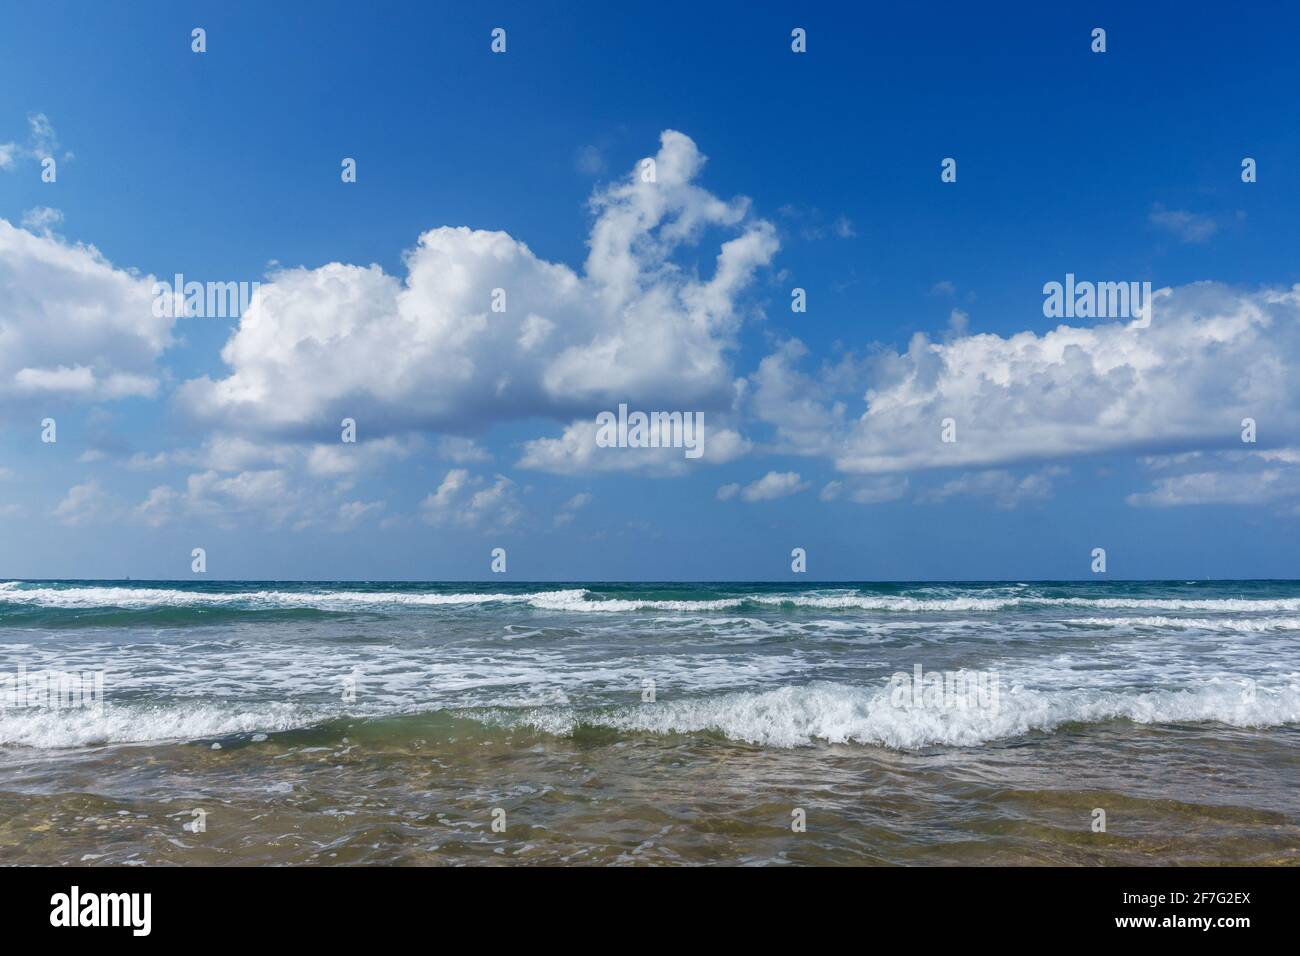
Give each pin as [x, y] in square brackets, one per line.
[359, 723]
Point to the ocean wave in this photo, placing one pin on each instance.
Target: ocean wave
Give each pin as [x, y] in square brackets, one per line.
[1174, 604]
[50, 728]
[139, 598]
[790, 716]
[583, 600]
[1247, 625]
[569, 599]
[843, 714]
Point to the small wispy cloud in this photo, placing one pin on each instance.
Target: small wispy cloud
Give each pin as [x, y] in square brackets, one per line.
[589, 160]
[569, 510]
[1184, 225]
[773, 485]
[1005, 489]
[42, 220]
[42, 141]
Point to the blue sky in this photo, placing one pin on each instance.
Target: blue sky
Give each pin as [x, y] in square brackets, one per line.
[822, 172]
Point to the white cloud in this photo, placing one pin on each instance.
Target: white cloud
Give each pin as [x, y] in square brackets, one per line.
[232, 453]
[958, 324]
[1210, 358]
[1287, 456]
[576, 452]
[811, 224]
[462, 451]
[143, 461]
[72, 326]
[83, 504]
[866, 491]
[1211, 487]
[771, 486]
[160, 507]
[41, 142]
[470, 502]
[263, 497]
[1006, 490]
[427, 352]
[569, 510]
[1186, 226]
[878, 489]
[807, 416]
[255, 493]
[352, 513]
[1227, 478]
[42, 220]
[1169, 461]
[341, 458]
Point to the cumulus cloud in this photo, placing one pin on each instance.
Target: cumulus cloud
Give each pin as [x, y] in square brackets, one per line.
[651, 319]
[801, 407]
[268, 484]
[83, 504]
[576, 452]
[233, 453]
[773, 485]
[1217, 487]
[1210, 357]
[866, 491]
[263, 497]
[1224, 478]
[470, 501]
[462, 451]
[342, 459]
[72, 325]
[427, 352]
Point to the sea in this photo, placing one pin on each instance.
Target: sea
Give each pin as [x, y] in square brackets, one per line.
[490, 723]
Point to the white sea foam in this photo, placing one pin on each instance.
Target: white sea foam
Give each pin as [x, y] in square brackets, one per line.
[1246, 625]
[788, 716]
[582, 600]
[139, 598]
[1175, 604]
[837, 713]
[49, 728]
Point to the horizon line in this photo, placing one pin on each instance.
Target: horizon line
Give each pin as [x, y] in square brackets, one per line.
[1106, 580]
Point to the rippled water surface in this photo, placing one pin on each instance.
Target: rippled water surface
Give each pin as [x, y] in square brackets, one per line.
[392, 723]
